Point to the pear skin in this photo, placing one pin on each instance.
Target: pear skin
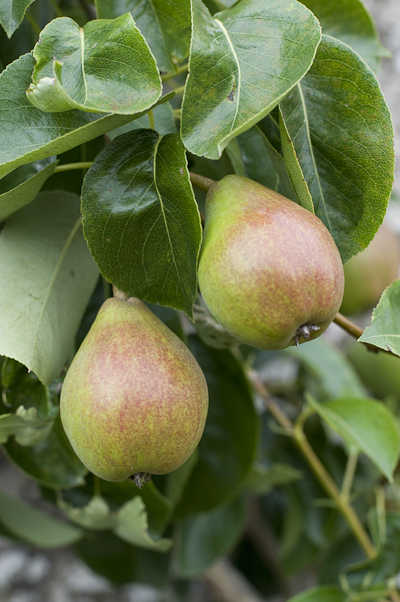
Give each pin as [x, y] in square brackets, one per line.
[134, 401]
[269, 270]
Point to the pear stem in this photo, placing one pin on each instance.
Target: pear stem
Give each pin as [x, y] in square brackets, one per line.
[356, 331]
[340, 498]
[118, 294]
[201, 181]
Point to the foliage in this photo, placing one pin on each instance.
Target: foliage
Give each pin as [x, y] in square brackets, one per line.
[120, 110]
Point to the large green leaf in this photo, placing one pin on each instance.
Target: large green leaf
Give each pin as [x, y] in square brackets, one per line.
[342, 133]
[227, 448]
[207, 536]
[11, 14]
[384, 331]
[51, 463]
[33, 526]
[21, 186]
[50, 276]
[141, 220]
[164, 23]
[106, 66]
[242, 63]
[367, 425]
[28, 134]
[350, 21]
[25, 426]
[332, 374]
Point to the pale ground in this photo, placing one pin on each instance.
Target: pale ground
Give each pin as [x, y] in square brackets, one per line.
[28, 575]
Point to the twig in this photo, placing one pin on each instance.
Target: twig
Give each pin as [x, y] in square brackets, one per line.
[201, 182]
[356, 331]
[325, 479]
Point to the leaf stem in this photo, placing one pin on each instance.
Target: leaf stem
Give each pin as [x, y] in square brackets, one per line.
[356, 331]
[201, 182]
[350, 472]
[181, 69]
[151, 119]
[70, 166]
[325, 479]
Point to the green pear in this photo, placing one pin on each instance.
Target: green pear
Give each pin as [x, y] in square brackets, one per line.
[269, 270]
[370, 272]
[134, 401]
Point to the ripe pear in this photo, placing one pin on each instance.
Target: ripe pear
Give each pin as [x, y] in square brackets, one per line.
[370, 272]
[269, 270]
[134, 401]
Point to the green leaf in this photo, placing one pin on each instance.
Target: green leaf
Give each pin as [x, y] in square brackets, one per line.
[25, 426]
[207, 536]
[95, 515]
[22, 185]
[384, 331]
[294, 170]
[322, 593]
[329, 368]
[256, 159]
[242, 63]
[350, 21]
[121, 562]
[263, 479]
[106, 66]
[11, 14]
[366, 424]
[39, 327]
[132, 527]
[341, 128]
[33, 526]
[164, 122]
[28, 134]
[164, 23]
[227, 448]
[141, 220]
[51, 463]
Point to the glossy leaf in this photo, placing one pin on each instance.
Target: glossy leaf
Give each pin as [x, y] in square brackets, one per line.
[33, 526]
[367, 425]
[25, 426]
[51, 463]
[242, 63]
[341, 128]
[330, 370]
[39, 327]
[384, 331]
[22, 185]
[321, 593]
[11, 14]
[228, 445]
[141, 221]
[350, 21]
[106, 66]
[164, 23]
[207, 536]
[28, 134]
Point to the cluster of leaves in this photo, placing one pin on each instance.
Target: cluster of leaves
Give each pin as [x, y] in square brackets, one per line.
[94, 124]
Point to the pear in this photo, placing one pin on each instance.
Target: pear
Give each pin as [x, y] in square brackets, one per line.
[134, 401]
[370, 272]
[269, 270]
